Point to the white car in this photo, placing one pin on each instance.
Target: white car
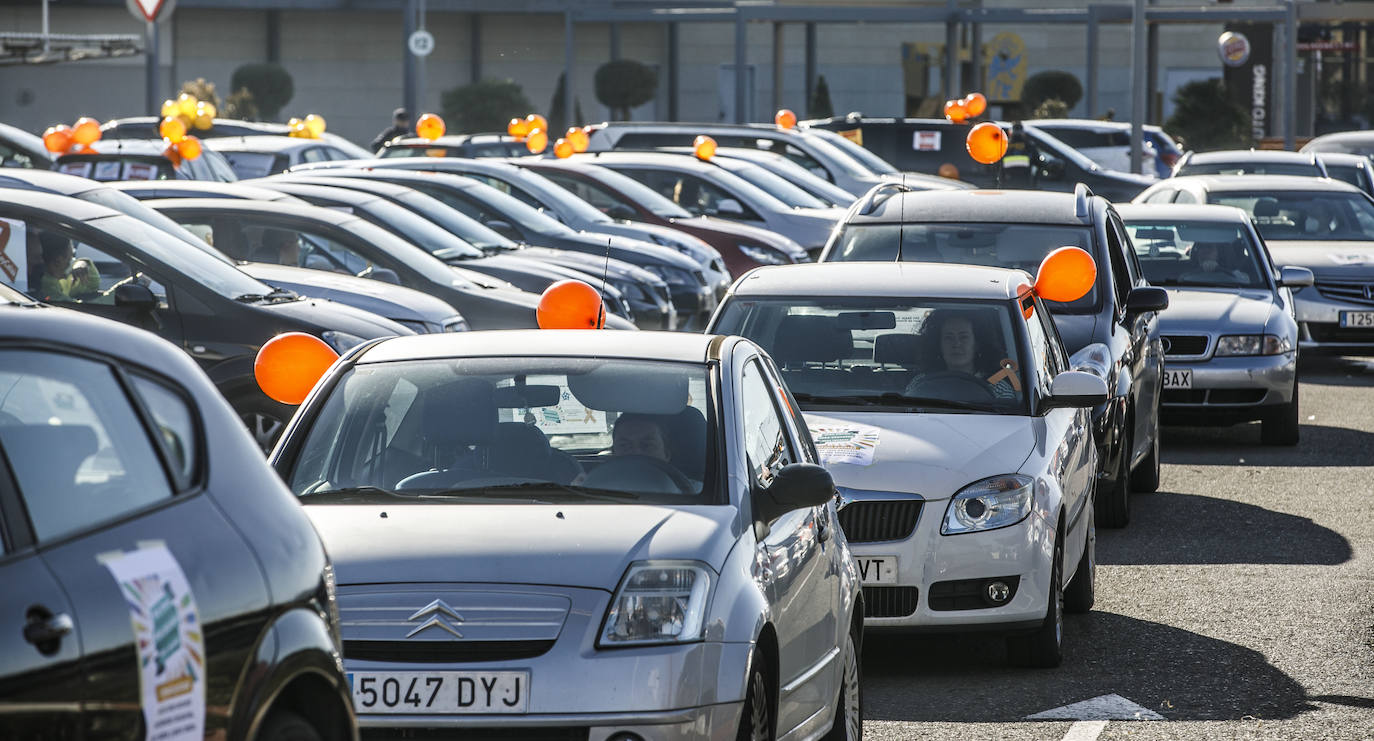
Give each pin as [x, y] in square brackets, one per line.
[942, 401]
[1108, 143]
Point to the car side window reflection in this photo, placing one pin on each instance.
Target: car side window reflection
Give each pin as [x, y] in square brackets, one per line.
[78, 450]
[175, 428]
[765, 446]
[1042, 354]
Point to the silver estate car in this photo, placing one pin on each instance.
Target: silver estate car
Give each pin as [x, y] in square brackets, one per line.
[1230, 336]
[565, 533]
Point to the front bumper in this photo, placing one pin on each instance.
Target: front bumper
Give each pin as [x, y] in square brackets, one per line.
[1230, 389]
[711, 723]
[1319, 327]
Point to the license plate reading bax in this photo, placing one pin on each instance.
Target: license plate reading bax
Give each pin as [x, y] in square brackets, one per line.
[1178, 378]
[440, 692]
[1358, 319]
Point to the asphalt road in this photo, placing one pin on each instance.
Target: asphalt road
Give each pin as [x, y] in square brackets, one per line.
[1238, 604]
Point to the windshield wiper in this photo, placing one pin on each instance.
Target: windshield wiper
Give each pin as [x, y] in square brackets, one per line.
[276, 294]
[354, 493]
[806, 398]
[891, 398]
[542, 487]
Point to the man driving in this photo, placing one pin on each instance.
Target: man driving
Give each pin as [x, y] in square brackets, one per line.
[64, 279]
[640, 434]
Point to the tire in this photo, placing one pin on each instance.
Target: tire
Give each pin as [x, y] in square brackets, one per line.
[1280, 424]
[1145, 478]
[264, 418]
[849, 719]
[756, 723]
[1114, 505]
[1044, 649]
[1081, 593]
[284, 725]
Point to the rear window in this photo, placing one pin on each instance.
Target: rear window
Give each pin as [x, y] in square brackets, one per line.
[249, 165]
[1087, 138]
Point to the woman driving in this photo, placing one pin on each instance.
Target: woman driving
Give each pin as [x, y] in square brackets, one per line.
[965, 360]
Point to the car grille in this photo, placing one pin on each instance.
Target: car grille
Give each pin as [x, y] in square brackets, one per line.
[870, 522]
[1335, 333]
[890, 602]
[1212, 396]
[700, 276]
[1355, 291]
[1184, 345]
[444, 652]
[551, 733]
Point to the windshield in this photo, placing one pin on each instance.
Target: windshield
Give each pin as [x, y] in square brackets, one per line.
[465, 227]
[518, 212]
[1250, 168]
[518, 429]
[1305, 215]
[547, 191]
[884, 354]
[853, 149]
[1197, 253]
[208, 270]
[1019, 246]
[772, 184]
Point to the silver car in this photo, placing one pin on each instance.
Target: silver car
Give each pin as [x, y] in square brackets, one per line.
[1230, 336]
[563, 530]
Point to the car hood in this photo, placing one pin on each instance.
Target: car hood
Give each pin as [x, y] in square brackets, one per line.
[1076, 330]
[682, 243]
[579, 545]
[743, 232]
[391, 301]
[316, 315]
[1219, 310]
[1329, 260]
[934, 455]
[809, 227]
[634, 251]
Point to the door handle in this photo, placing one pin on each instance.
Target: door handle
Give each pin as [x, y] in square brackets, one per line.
[45, 628]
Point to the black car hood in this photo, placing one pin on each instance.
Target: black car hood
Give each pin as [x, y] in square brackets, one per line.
[1076, 330]
[318, 315]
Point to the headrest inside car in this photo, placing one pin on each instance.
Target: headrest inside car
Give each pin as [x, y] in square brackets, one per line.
[639, 389]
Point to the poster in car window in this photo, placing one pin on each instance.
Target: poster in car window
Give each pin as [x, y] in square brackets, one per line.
[167, 635]
[14, 264]
[106, 170]
[568, 417]
[140, 171]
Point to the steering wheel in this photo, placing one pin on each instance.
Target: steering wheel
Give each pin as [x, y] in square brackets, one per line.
[949, 384]
[1223, 277]
[639, 473]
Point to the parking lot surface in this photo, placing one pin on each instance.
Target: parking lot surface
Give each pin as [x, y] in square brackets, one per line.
[1238, 604]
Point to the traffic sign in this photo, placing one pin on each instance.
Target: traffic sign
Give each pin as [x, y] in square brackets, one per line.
[421, 43]
[150, 10]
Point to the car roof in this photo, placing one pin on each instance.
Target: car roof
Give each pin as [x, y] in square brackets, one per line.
[452, 140]
[261, 143]
[1249, 183]
[306, 211]
[889, 279]
[686, 347]
[70, 208]
[1086, 123]
[335, 192]
[685, 162]
[26, 140]
[1194, 211]
[1251, 155]
[994, 206]
[47, 179]
[210, 187]
[357, 183]
[137, 147]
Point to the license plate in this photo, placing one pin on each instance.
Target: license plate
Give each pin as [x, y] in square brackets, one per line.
[877, 569]
[1178, 378]
[1357, 319]
[440, 692]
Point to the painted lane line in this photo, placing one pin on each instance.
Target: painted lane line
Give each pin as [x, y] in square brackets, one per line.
[1103, 707]
[1086, 730]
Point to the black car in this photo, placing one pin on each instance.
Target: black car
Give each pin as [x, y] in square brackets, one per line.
[142, 159]
[121, 268]
[1113, 330]
[516, 222]
[157, 573]
[925, 144]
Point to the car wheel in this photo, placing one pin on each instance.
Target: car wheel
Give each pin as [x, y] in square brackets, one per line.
[756, 722]
[1082, 591]
[1044, 648]
[1145, 478]
[284, 725]
[849, 719]
[264, 418]
[1114, 505]
[1280, 424]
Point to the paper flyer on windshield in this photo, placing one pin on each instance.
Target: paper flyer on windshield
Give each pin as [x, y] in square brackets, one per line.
[854, 444]
[167, 634]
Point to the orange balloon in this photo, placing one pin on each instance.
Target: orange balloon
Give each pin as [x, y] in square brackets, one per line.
[1067, 274]
[975, 104]
[785, 119]
[536, 121]
[429, 126]
[986, 142]
[577, 138]
[172, 155]
[562, 149]
[172, 129]
[704, 147]
[58, 138]
[955, 111]
[289, 365]
[537, 141]
[189, 148]
[86, 131]
[570, 304]
[518, 128]
[948, 170]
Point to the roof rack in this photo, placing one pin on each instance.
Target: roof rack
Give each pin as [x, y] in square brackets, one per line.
[878, 194]
[1081, 194]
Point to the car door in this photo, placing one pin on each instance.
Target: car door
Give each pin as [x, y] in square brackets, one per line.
[108, 462]
[794, 558]
[1145, 354]
[1068, 432]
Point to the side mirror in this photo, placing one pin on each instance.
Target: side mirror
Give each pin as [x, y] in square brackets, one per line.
[386, 275]
[503, 228]
[135, 296]
[729, 207]
[1147, 298]
[621, 212]
[1076, 389]
[1293, 276]
[796, 486]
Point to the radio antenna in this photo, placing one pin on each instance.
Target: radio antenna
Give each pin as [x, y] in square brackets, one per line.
[901, 210]
[605, 271]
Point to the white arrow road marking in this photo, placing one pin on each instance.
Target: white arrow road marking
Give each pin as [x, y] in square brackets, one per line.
[1104, 707]
[1086, 730]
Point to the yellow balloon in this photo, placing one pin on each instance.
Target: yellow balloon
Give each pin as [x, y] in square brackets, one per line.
[206, 108]
[315, 124]
[291, 122]
[170, 108]
[537, 141]
[186, 105]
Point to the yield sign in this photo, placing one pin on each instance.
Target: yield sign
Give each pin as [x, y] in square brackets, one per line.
[149, 10]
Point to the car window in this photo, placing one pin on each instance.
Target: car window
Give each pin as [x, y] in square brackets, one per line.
[781, 189]
[1132, 263]
[249, 165]
[766, 448]
[315, 154]
[1045, 363]
[692, 193]
[61, 267]
[1346, 174]
[887, 355]
[74, 442]
[12, 157]
[1184, 196]
[1197, 253]
[633, 189]
[1163, 195]
[600, 198]
[1116, 255]
[1305, 215]
[257, 241]
[176, 427]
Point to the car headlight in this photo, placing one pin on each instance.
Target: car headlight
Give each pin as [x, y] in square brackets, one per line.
[456, 324]
[658, 602]
[671, 275]
[989, 504]
[418, 326]
[1252, 344]
[342, 342]
[764, 255]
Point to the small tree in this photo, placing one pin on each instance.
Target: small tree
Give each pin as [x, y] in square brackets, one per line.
[1207, 118]
[240, 105]
[820, 106]
[1056, 84]
[622, 84]
[201, 89]
[1052, 108]
[484, 106]
[558, 119]
[269, 83]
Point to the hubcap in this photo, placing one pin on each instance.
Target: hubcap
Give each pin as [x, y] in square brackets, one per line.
[758, 701]
[853, 714]
[263, 427]
[1059, 598]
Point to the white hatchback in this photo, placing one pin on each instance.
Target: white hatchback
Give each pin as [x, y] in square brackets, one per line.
[943, 403]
